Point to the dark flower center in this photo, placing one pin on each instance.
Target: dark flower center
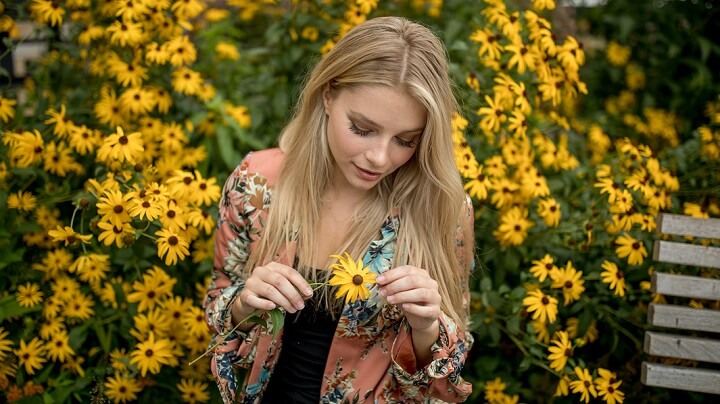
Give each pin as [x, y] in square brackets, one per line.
[357, 280]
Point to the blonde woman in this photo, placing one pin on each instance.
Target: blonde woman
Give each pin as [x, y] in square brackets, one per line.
[365, 167]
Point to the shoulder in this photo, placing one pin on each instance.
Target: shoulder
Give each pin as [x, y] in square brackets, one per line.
[265, 162]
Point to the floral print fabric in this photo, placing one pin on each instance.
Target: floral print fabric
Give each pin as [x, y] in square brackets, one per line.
[371, 358]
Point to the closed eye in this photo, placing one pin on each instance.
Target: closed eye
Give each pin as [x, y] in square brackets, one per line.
[360, 132]
[405, 143]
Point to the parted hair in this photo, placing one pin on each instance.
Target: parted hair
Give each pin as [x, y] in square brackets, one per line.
[427, 190]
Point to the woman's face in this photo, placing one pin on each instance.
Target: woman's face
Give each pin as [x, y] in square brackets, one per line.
[372, 131]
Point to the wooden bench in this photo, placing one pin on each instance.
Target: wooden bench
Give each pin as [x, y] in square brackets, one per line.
[691, 348]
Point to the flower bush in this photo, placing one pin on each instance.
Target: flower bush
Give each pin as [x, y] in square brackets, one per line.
[114, 146]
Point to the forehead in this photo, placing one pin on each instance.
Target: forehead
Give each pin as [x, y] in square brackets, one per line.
[389, 107]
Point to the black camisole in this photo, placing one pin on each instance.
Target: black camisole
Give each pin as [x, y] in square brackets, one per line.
[298, 374]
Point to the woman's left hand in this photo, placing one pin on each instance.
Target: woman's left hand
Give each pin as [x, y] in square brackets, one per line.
[415, 292]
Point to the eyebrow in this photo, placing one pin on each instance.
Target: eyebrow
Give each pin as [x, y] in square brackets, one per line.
[367, 121]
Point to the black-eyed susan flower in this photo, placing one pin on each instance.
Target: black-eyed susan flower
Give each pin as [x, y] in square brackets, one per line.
[171, 246]
[46, 12]
[156, 321]
[22, 200]
[544, 267]
[226, 51]
[122, 388]
[67, 235]
[583, 385]
[607, 385]
[145, 209]
[494, 389]
[478, 185]
[549, 210]
[121, 147]
[563, 386]
[543, 307]
[58, 347]
[560, 350]
[7, 110]
[630, 248]
[5, 343]
[80, 306]
[613, 277]
[151, 354]
[513, 227]
[351, 277]
[193, 391]
[570, 281]
[126, 33]
[187, 81]
[114, 207]
[492, 115]
[29, 294]
[119, 235]
[109, 110]
[31, 355]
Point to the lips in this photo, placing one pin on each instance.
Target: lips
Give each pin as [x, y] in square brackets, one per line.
[367, 175]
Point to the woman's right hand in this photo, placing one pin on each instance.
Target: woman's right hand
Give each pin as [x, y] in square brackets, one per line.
[268, 287]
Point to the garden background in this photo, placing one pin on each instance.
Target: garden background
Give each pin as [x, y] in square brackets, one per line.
[577, 126]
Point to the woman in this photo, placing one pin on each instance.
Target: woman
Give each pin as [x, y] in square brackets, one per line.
[364, 167]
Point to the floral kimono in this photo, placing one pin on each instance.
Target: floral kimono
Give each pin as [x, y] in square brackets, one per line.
[371, 358]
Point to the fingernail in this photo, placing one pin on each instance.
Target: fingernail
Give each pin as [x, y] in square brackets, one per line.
[308, 292]
[380, 278]
[300, 305]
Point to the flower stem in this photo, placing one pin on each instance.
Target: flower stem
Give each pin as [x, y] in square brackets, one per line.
[224, 337]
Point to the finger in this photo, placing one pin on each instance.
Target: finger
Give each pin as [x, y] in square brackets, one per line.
[258, 303]
[408, 283]
[425, 297]
[400, 272]
[274, 287]
[293, 276]
[426, 312]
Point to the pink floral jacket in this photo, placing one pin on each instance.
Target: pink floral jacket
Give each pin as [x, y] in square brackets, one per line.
[371, 358]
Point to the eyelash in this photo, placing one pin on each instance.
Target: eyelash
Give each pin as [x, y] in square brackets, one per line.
[363, 133]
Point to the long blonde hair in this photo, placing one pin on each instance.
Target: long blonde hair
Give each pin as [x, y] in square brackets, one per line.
[427, 190]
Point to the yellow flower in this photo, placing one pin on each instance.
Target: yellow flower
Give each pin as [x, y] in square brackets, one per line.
[607, 385]
[228, 51]
[31, 355]
[171, 246]
[193, 391]
[121, 147]
[549, 210]
[543, 307]
[631, 248]
[513, 227]
[187, 81]
[7, 112]
[58, 348]
[29, 295]
[614, 277]
[617, 54]
[571, 283]
[544, 267]
[181, 50]
[560, 350]
[22, 201]
[494, 389]
[121, 389]
[151, 354]
[120, 235]
[478, 186]
[47, 12]
[584, 385]
[67, 234]
[351, 277]
[113, 206]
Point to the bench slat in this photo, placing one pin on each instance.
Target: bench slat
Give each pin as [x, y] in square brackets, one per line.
[690, 286]
[682, 347]
[682, 225]
[686, 318]
[676, 377]
[686, 254]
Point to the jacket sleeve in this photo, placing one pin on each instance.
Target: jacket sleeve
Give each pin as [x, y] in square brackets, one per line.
[233, 236]
[440, 379]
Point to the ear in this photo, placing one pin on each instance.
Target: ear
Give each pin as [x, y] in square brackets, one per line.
[326, 97]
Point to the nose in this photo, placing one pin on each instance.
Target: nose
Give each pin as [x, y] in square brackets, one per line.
[378, 154]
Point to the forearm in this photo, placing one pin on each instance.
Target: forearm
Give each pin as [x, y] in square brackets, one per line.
[423, 342]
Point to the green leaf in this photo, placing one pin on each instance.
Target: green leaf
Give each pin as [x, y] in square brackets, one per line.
[277, 318]
[9, 308]
[513, 325]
